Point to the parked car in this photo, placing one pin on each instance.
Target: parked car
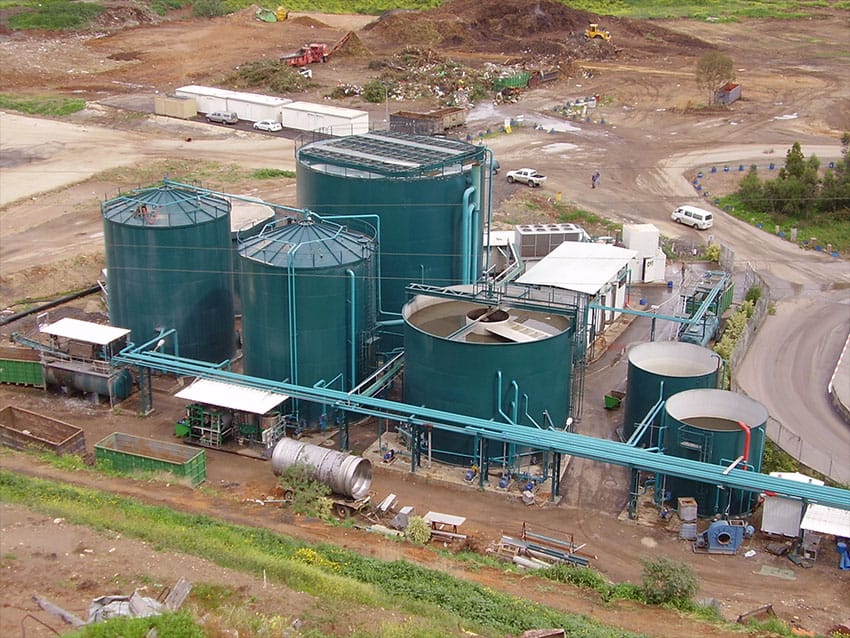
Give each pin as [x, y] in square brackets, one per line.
[223, 117]
[268, 125]
[693, 216]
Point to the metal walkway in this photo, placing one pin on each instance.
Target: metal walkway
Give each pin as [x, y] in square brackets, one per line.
[554, 441]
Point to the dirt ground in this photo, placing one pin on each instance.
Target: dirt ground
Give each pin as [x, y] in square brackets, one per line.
[648, 138]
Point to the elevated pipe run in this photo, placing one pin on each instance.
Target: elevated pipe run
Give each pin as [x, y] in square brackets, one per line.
[568, 443]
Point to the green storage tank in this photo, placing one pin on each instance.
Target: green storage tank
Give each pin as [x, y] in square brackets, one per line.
[308, 309]
[428, 194]
[169, 266]
[660, 369]
[705, 425]
[247, 219]
[502, 363]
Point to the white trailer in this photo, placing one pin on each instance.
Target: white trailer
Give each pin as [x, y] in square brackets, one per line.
[324, 118]
[248, 106]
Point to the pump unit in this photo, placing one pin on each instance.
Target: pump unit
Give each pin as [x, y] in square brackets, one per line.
[723, 537]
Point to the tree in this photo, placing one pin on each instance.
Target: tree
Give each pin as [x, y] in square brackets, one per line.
[713, 71]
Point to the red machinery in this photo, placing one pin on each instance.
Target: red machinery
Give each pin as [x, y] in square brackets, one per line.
[314, 52]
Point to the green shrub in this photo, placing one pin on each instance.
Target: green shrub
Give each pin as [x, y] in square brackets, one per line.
[753, 294]
[667, 582]
[271, 173]
[56, 15]
[177, 625]
[418, 531]
[578, 576]
[712, 253]
[376, 91]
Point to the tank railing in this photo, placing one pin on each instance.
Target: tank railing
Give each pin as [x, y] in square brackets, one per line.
[245, 198]
[482, 296]
[582, 446]
[648, 419]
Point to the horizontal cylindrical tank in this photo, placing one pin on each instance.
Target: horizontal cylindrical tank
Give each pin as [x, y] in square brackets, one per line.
[660, 369]
[705, 425]
[169, 266]
[345, 474]
[504, 363]
[116, 384]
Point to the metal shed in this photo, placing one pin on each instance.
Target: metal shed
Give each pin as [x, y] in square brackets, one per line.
[728, 93]
[324, 118]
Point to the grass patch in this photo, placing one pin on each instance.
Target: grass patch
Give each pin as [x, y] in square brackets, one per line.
[826, 232]
[50, 106]
[444, 605]
[272, 173]
[54, 15]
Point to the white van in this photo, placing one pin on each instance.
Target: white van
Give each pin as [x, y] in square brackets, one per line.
[693, 216]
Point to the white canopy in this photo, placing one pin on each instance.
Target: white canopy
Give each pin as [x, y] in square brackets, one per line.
[85, 331]
[827, 520]
[234, 397]
[579, 266]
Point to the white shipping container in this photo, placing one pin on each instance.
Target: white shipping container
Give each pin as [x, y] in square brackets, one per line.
[248, 106]
[333, 120]
[782, 516]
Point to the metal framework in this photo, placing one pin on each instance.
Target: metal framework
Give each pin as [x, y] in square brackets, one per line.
[556, 442]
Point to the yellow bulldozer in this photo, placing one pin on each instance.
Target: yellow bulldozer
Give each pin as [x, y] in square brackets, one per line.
[594, 32]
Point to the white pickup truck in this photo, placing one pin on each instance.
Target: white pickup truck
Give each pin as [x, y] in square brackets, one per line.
[526, 176]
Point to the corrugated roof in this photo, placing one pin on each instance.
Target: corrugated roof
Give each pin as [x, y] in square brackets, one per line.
[579, 266]
[307, 244]
[233, 397]
[251, 98]
[392, 154]
[826, 520]
[84, 331]
[165, 207]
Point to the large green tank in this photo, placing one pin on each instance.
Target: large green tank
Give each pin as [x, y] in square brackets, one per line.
[500, 363]
[308, 309]
[427, 193]
[247, 219]
[660, 369]
[169, 262]
[705, 425]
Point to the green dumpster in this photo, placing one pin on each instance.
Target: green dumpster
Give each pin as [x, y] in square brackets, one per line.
[613, 399]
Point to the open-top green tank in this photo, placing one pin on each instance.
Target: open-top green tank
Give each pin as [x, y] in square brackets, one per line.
[169, 263]
[503, 363]
[308, 307]
[423, 194]
[718, 427]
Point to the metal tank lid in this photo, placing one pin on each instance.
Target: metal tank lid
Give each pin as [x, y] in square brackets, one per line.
[165, 207]
[308, 243]
[391, 154]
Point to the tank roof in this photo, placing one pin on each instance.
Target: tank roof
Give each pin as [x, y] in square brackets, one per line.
[165, 207]
[307, 244]
[391, 154]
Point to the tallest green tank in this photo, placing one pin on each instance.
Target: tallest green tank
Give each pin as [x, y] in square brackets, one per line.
[169, 266]
[424, 194]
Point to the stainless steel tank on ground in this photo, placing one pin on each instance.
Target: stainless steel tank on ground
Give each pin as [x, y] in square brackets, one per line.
[344, 473]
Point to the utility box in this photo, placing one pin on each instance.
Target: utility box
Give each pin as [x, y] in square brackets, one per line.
[782, 516]
[687, 508]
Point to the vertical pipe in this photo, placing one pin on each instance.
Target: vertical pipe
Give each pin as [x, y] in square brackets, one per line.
[747, 439]
[466, 214]
[352, 350]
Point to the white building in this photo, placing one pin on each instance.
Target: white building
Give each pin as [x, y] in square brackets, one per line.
[645, 239]
[601, 272]
[324, 118]
[248, 106]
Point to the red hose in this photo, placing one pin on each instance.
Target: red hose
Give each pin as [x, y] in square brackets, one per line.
[747, 438]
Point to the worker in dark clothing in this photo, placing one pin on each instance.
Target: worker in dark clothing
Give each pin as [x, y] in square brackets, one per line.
[594, 180]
